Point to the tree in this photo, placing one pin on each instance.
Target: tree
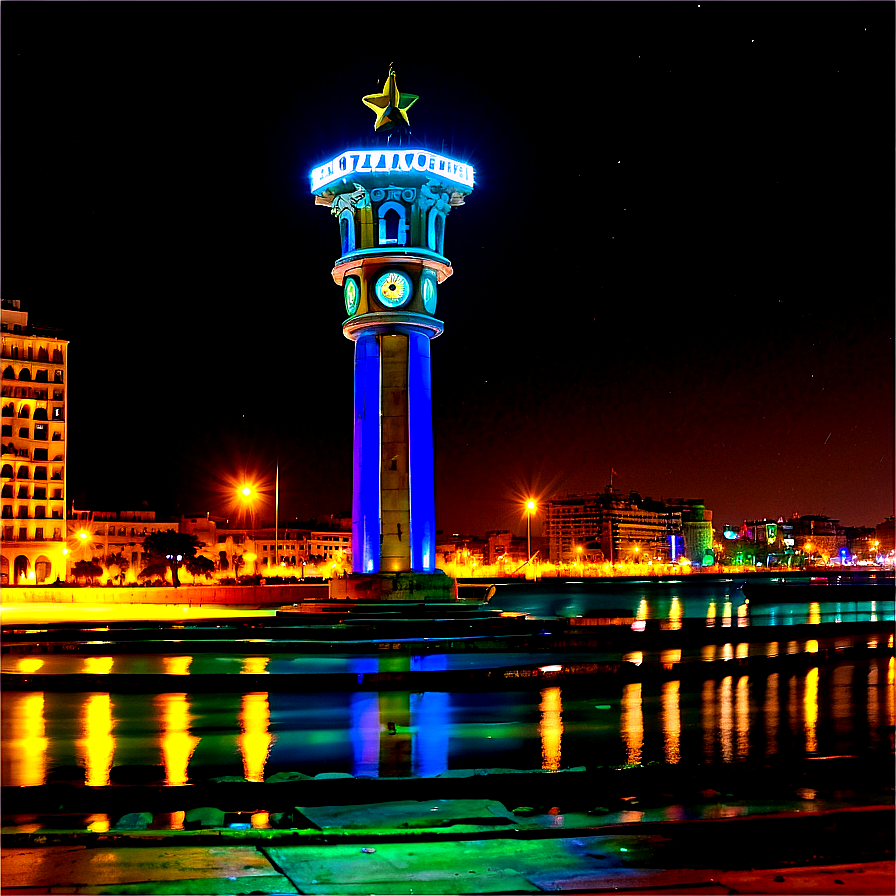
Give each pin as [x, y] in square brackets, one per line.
[199, 566]
[87, 569]
[121, 562]
[171, 548]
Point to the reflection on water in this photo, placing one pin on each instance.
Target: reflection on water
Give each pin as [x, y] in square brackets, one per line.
[632, 723]
[98, 665]
[255, 739]
[810, 709]
[177, 742]
[24, 738]
[836, 709]
[97, 744]
[671, 710]
[551, 728]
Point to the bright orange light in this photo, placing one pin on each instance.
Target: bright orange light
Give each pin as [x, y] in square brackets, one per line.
[245, 491]
[82, 535]
[530, 505]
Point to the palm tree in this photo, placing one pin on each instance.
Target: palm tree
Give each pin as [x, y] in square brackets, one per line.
[171, 548]
[121, 562]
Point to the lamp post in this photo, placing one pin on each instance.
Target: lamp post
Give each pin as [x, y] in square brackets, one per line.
[530, 508]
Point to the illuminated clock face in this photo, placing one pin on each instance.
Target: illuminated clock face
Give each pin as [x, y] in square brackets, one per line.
[352, 295]
[393, 289]
[428, 291]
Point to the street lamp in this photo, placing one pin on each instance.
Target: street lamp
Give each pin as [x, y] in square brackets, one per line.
[530, 509]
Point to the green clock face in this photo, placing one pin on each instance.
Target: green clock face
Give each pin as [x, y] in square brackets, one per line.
[393, 289]
[428, 291]
[352, 295]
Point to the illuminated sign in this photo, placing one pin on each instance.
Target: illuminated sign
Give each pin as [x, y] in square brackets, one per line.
[363, 161]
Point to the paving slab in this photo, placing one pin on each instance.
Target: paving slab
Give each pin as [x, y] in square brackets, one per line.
[409, 814]
[466, 866]
[108, 869]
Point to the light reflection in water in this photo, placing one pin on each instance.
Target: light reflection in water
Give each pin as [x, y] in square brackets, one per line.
[810, 705]
[177, 665]
[726, 614]
[97, 746]
[98, 823]
[29, 664]
[725, 720]
[177, 743]
[98, 665]
[891, 697]
[671, 720]
[742, 716]
[550, 728]
[255, 665]
[771, 711]
[814, 613]
[28, 749]
[675, 614]
[711, 614]
[255, 739]
[632, 723]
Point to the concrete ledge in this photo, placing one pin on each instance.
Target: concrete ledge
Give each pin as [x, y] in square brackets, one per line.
[191, 595]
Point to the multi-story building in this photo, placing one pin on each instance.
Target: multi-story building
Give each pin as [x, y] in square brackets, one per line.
[610, 527]
[260, 550]
[464, 551]
[33, 445]
[102, 534]
[818, 536]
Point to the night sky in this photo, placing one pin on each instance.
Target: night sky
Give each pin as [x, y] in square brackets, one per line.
[677, 262]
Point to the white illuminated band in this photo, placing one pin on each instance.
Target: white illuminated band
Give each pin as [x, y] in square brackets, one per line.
[392, 322]
[363, 161]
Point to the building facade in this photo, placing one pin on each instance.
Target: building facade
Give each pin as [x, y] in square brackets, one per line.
[33, 444]
[103, 535]
[608, 527]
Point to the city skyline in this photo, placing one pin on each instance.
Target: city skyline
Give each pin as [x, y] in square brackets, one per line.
[699, 297]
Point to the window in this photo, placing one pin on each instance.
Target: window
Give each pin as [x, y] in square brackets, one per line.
[392, 224]
[347, 231]
[436, 233]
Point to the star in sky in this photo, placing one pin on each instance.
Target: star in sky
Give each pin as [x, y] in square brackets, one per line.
[391, 106]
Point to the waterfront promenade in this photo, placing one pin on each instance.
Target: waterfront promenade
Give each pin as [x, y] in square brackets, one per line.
[785, 786]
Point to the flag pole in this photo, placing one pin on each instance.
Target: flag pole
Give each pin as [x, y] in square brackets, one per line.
[277, 516]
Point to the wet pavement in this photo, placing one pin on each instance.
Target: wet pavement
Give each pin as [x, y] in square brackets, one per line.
[473, 846]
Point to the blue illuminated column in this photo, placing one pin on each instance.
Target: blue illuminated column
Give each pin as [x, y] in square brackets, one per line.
[366, 476]
[420, 458]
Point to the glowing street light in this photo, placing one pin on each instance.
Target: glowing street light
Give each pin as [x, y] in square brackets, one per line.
[530, 509]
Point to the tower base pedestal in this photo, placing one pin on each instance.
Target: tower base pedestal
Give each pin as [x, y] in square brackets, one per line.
[416, 586]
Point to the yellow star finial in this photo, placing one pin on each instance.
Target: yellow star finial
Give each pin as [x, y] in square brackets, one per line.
[390, 106]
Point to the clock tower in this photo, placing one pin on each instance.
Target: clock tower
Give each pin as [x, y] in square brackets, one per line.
[391, 204]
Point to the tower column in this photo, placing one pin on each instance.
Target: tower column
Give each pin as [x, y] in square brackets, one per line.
[420, 455]
[391, 204]
[366, 475]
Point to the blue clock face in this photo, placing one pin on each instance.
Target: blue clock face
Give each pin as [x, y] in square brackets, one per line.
[393, 289]
[428, 291]
[352, 295]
